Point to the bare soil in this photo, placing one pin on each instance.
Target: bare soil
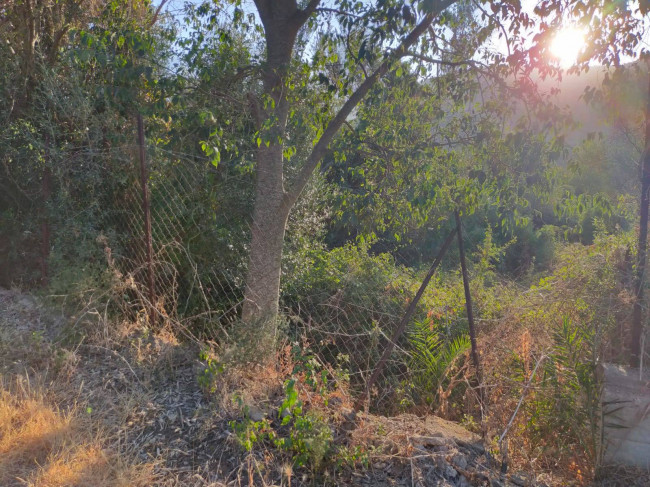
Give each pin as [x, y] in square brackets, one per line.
[138, 391]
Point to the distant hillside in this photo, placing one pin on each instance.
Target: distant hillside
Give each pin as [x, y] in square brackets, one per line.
[624, 99]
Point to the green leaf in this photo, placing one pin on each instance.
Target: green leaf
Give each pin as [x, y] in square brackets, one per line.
[217, 158]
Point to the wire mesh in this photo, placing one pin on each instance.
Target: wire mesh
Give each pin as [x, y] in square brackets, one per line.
[194, 279]
[344, 334]
[187, 282]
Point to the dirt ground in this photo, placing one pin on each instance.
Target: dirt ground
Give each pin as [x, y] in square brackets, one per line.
[89, 402]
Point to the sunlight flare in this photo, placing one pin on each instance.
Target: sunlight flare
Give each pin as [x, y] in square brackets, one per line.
[566, 46]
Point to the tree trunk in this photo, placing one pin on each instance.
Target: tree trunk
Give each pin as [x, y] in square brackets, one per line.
[263, 279]
[267, 236]
[282, 19]
[639, 281]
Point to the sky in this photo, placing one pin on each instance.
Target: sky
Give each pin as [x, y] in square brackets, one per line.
[572, 86]
[176, 8]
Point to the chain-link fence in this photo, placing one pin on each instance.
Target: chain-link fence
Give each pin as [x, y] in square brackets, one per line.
[346, 328]
[182, 239]
[184, 275]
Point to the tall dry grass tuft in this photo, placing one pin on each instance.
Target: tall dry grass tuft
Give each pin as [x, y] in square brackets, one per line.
[42, 446]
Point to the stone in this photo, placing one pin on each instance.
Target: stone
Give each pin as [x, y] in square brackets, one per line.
[463, 482]
[459, 460]
[431, 441]
[450, 472]
[256, 414]
[520, 479]
[349, 414]
[441, 463]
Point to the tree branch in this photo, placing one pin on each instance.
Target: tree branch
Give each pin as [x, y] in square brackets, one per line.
[155, 15]
[338, 12]
[56, 44]
[333, 126]
[512, 418]
[255, 109]
[422, 57]
[301, 16]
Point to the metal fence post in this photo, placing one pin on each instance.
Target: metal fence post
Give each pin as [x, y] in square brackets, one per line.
[46, 191]
[146, 208]
[468, 305]
[401, 327]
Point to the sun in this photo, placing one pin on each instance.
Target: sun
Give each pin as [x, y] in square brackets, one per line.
[566, 46]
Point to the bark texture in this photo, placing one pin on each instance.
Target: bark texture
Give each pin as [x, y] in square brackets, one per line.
[282, 20]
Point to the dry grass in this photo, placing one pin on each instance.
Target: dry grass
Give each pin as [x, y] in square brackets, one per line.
[43, 446]
[585, 287]
[143, 384]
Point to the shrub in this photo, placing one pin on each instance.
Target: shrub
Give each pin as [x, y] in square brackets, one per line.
[563, 410]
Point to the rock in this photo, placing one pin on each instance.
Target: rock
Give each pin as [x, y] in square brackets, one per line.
[459, 460]
[432, 441]
[441, 463]
[520, 479]
[463, 482]
[256, 414]
[450, 472]
[26, 302]
[496, 483]
[349, 414]
[475, 447]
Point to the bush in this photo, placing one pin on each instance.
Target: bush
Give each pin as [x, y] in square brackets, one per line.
[563, 410]
[569, 321]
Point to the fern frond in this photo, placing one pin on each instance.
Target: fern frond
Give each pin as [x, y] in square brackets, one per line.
[432, 357]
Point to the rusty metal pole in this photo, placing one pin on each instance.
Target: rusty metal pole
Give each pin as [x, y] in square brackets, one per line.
[146, 208]
[470, 311]
[468, 303]
[46, 191]
[636, 352]
[401, 327]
